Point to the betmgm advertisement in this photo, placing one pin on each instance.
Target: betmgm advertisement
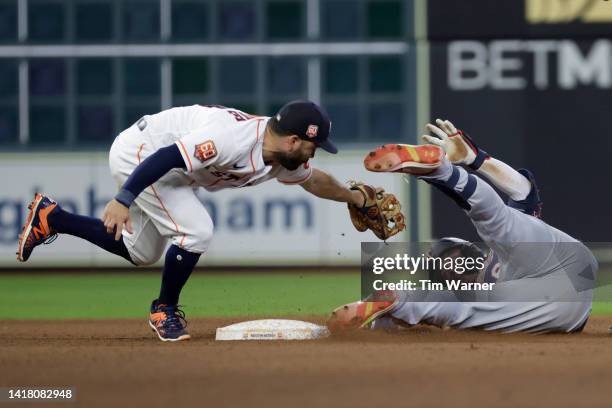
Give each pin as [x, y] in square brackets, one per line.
[527, 79]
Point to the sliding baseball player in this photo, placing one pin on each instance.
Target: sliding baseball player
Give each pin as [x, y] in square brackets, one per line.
[544, 277]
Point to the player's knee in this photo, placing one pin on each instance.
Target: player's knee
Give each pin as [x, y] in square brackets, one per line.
[145, 259]
[144, 255]
[197, 237]
[198, 244]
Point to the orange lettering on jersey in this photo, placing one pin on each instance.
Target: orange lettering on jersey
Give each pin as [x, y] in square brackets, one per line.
[205, 151]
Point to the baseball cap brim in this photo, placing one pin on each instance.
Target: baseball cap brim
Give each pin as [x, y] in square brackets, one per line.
[328, 146]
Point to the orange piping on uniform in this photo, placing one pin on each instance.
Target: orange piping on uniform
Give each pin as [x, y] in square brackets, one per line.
[161, 202]
[210, 185]
[182, 146]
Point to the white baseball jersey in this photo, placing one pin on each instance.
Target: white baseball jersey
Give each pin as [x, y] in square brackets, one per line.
[221, 147]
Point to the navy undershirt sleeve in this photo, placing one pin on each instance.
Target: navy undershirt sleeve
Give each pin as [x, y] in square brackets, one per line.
[149, 171]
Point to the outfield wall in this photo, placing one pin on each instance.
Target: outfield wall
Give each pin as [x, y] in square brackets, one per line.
[270, 224]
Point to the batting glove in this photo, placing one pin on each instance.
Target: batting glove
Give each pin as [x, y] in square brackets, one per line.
[459, 147]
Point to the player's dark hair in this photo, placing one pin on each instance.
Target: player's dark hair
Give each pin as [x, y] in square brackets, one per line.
[275, 128]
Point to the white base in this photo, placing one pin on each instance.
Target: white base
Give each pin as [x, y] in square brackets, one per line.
[272, 329]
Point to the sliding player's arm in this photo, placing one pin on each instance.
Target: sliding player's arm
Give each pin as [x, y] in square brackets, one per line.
[461, 149]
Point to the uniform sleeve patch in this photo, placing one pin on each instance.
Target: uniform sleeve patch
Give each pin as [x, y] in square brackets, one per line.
[205, 151]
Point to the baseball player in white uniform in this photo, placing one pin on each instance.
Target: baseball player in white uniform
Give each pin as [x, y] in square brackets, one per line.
[544, 277]
[159, 162]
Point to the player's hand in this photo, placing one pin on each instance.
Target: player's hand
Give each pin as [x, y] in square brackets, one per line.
[457, 147]
[357, 198]
[116, 216]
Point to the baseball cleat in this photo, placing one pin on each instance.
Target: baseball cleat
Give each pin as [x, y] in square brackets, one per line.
[168, 322]
[36, 230]
[401, 158]
[360, 314]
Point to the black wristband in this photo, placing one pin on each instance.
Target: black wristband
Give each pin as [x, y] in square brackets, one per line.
[481, 156]
[125, 197]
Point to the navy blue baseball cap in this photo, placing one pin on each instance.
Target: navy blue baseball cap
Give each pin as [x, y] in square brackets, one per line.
[308, 121]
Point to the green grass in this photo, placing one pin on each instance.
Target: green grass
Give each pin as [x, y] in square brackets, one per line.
[603, 297]
[114, 295]
[602, 308]
[99, 296]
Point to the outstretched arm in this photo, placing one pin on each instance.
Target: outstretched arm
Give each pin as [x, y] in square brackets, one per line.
[511, 182]
[325, 186]
[461, 149]
[370, 208]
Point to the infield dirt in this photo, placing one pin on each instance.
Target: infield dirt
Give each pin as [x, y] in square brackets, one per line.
[120, 363]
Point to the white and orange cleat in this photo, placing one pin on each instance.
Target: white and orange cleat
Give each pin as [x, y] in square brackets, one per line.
[360, 314]
[403, 158]
[36, 230]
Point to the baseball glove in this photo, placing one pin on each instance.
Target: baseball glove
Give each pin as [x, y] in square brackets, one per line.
[381, 212]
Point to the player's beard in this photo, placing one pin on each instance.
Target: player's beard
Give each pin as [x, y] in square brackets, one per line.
[290, 161]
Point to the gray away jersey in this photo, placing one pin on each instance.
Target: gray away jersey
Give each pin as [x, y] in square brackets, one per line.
[545, 277]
